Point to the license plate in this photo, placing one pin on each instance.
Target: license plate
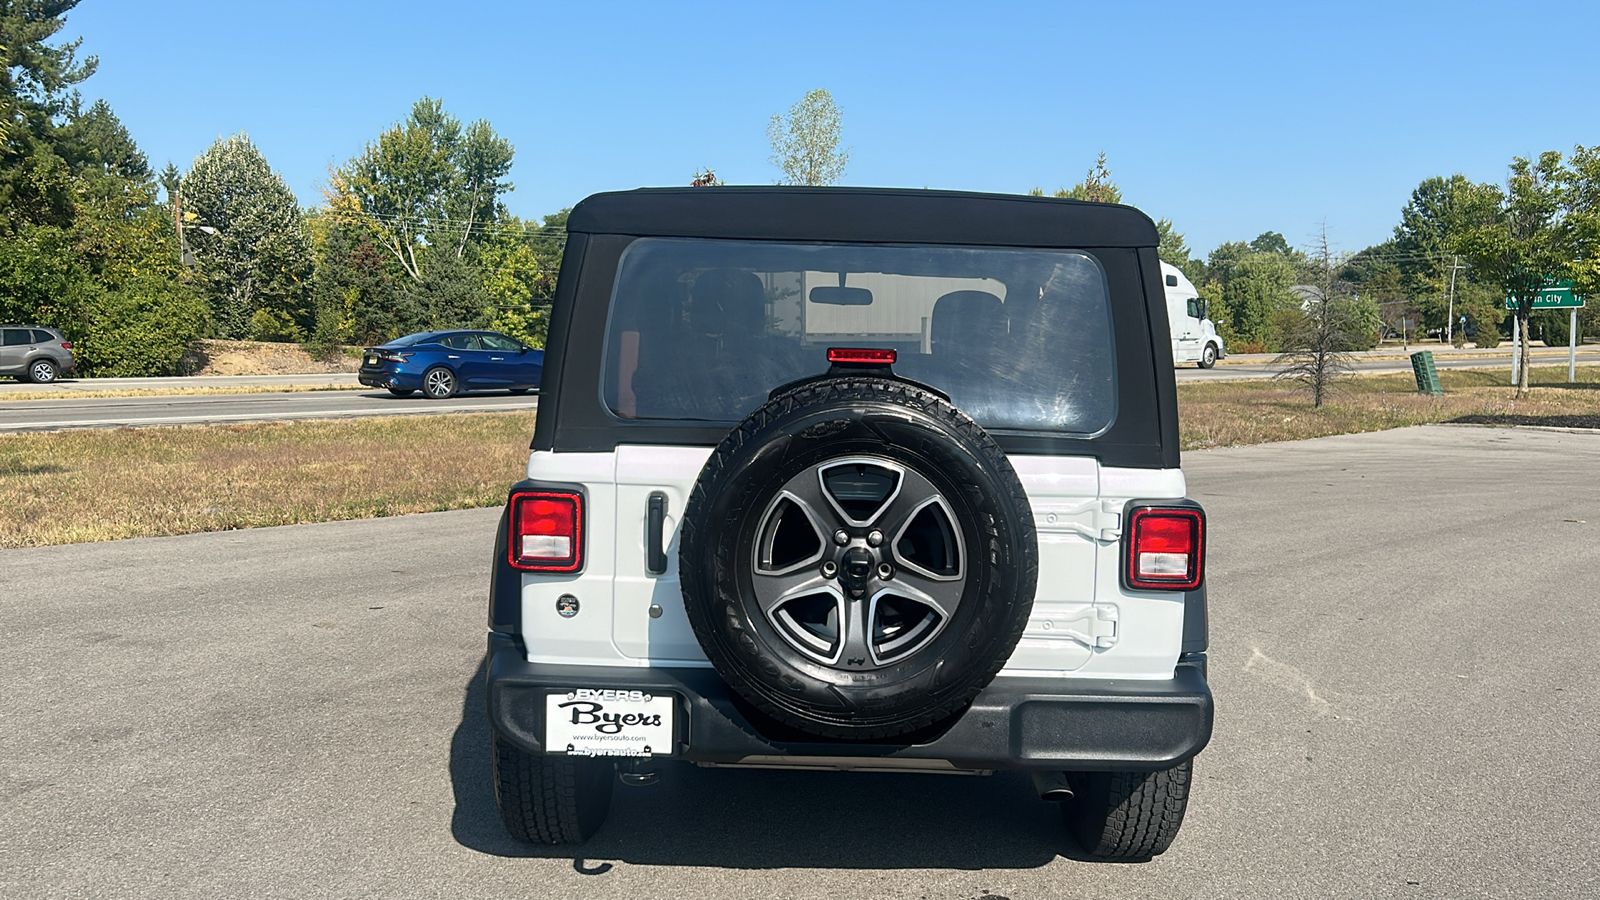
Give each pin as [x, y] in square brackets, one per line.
[584, 722]
[372, 360]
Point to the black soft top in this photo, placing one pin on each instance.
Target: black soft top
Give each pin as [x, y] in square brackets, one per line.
[863, 215]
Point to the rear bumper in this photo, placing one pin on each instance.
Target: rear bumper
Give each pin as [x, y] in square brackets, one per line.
[382, 379]
[1046, 724]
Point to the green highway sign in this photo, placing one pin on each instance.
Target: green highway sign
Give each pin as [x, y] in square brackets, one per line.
[1556, 295]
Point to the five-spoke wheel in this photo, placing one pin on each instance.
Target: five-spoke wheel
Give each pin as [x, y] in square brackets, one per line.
[858, 562]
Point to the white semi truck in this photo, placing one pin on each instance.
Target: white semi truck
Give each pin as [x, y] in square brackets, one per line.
[1194, 337]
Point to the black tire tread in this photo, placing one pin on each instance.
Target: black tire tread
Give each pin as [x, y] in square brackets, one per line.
[455, 385]
[539, 796]
[1129, 815]
[849, 388]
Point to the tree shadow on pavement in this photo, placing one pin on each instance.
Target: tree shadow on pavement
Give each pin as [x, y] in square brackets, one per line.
[758, 819]
[1544, 421]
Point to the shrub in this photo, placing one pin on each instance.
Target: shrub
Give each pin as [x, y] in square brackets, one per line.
[141, 329]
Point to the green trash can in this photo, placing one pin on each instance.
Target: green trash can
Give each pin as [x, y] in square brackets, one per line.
[1427, 375]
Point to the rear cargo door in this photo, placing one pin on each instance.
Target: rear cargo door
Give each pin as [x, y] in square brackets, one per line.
[1066, 627]
[648, 620]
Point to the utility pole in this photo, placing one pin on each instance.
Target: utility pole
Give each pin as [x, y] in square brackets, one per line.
[1450, 317]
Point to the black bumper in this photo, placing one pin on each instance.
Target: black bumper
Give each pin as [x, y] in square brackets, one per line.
[1014, 723]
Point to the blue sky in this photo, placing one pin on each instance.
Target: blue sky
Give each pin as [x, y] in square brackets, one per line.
[1230, 119]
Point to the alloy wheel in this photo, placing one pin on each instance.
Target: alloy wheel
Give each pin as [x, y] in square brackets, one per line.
[439, 383]
[859, 562]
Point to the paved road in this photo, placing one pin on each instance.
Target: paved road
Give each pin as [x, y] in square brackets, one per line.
[116, 412]
[1403, 655]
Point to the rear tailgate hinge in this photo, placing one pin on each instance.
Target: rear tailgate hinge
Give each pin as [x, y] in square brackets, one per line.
[1094, 627]
[1097, 520]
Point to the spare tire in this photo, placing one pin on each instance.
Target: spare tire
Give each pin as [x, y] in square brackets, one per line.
[858, 558]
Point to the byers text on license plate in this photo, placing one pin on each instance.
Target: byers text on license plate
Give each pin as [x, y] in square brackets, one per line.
[609, 723]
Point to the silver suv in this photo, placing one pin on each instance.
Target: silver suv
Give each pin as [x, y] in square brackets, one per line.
[34, 353]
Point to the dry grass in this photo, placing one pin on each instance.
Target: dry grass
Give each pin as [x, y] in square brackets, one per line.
[75, 486]
[1227, 414]
[70, 393]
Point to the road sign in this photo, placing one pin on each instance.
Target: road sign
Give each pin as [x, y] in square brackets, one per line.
[1558, 295]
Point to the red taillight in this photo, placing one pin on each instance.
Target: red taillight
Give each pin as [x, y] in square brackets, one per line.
[66, 345]
[861, 355]
[1166, 549]
[394, 355]
[546, 533]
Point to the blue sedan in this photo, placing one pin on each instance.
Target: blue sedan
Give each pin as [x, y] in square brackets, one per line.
[441, 364]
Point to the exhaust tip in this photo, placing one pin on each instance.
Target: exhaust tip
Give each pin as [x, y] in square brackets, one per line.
[1052, 786]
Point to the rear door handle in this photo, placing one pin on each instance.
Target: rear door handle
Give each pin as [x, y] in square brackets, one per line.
[655, 561]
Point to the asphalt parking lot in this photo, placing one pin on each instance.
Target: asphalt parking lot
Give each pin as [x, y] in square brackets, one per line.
[1403, 633]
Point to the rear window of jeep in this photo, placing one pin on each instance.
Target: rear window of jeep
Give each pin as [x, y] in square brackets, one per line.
[703, 329]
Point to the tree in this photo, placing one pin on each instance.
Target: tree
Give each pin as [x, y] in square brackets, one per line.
[1259, 289]
[519, 278]
[1582, 200]
[97, 142]
[805, 141]
[1222, 265]
[249, 241]
[1254, 287]
[1272, 242]
[1318, 340]
[1516, 239]
[356, 291]
[426, 185]
[83, 244]
[37, 92]
[482, 163]
[1169, 244]
[1096, 186]
[451, 294]
[1429, 225]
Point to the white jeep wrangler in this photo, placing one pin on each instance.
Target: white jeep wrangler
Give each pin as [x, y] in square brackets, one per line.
[859, 480]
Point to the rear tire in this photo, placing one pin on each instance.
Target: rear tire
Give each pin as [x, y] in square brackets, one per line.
[41, 371]
[438, 383]
[550, 799]
[401, 392]
[1208, 356]
[1127, 816]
